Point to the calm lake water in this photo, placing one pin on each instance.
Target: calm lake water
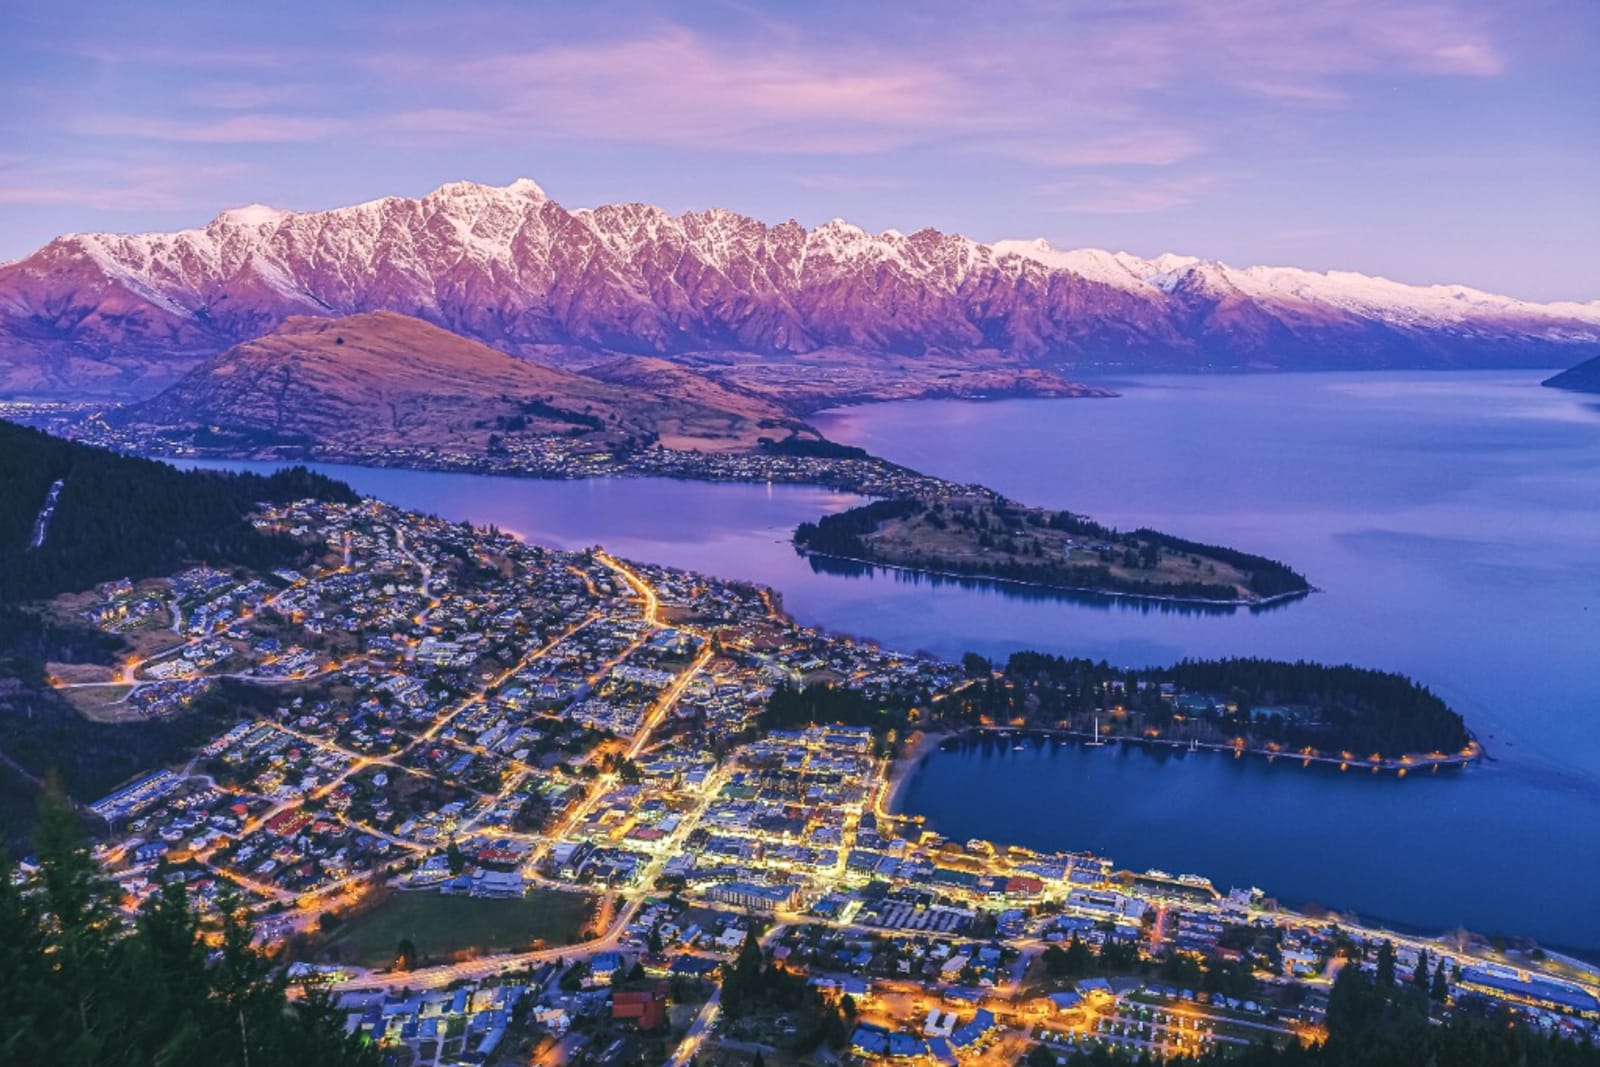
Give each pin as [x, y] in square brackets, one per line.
[1451, 522]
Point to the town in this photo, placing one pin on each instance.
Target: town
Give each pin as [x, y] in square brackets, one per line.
[509, 804]
[530, 455]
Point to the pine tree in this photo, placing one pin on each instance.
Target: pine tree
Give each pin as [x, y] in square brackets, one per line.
[82, 986]
[84, 934]
[1080, 961]
[1386, 966]
[22, 988]
[1440, 989]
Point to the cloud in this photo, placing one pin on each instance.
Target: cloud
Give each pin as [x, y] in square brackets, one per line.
[236, 129]
[1313, 53]
[840, 183]
[1153, 146]
[1107, 195]
[676, 87]
[112, 186]
[1082, 86]
[247, 96]
[129, 53]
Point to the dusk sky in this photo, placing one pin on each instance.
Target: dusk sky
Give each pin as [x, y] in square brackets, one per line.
[1432, 141]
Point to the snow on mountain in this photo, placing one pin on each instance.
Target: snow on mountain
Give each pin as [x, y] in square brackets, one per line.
[1361, 294]
[514, 269]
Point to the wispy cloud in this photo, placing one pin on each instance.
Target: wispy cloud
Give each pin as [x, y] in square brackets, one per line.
[1151, 146]
[206, 129]
[111, 186]
[676, 87]
[1084, 85]
[838, 183]
[1107, 195]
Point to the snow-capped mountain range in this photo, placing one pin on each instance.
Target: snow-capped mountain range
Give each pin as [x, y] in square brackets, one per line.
[508, 266]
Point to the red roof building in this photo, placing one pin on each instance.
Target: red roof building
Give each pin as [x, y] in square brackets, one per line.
[645, 1008]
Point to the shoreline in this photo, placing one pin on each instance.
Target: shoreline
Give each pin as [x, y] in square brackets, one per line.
[1402, 765]
[1082, 590]
[898, 773]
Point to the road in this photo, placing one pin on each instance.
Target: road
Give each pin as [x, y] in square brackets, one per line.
[41, 525]
[695, 1036]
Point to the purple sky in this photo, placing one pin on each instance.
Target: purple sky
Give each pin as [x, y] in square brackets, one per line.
[1425, 140]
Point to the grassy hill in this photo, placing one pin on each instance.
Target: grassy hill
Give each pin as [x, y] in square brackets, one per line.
[383, 380]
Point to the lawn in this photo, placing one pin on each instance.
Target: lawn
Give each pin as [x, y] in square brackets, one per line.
[440, 926]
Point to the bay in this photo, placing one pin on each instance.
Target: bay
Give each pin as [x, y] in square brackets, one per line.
[1451, 522]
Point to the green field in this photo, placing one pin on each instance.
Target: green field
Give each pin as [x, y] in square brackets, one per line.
[441, 926]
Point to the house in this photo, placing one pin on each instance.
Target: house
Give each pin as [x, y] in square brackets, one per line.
[644, 1008]
[501, 884]
[694, 967]
[1065, 1002]
[604, 966]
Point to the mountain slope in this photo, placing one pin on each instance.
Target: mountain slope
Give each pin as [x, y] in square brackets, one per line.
[384, 380]
[1584, 378]
[115, 516]
[124, 315]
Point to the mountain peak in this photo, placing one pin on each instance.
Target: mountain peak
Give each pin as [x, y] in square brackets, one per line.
[253, 216]
[525, 188]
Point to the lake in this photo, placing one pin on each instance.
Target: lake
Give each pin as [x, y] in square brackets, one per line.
[1451, 522]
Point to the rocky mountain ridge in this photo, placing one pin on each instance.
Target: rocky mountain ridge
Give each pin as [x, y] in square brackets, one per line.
[760, 307]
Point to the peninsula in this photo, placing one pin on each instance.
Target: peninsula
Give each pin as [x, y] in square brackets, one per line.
[1584, 378]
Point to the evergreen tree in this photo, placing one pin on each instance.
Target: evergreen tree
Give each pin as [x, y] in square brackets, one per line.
[1385, 966]
[86, 988]
[1080, 961]
[1440, 989]
[742, 985]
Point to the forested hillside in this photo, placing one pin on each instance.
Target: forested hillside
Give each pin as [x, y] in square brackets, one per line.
[116, 516]
[81, 992]
[1325, 707]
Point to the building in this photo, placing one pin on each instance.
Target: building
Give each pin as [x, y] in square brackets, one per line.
[644, 1008]
[754, 897]
[603, 966]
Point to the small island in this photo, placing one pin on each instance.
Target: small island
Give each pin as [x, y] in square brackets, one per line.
[973, 533]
